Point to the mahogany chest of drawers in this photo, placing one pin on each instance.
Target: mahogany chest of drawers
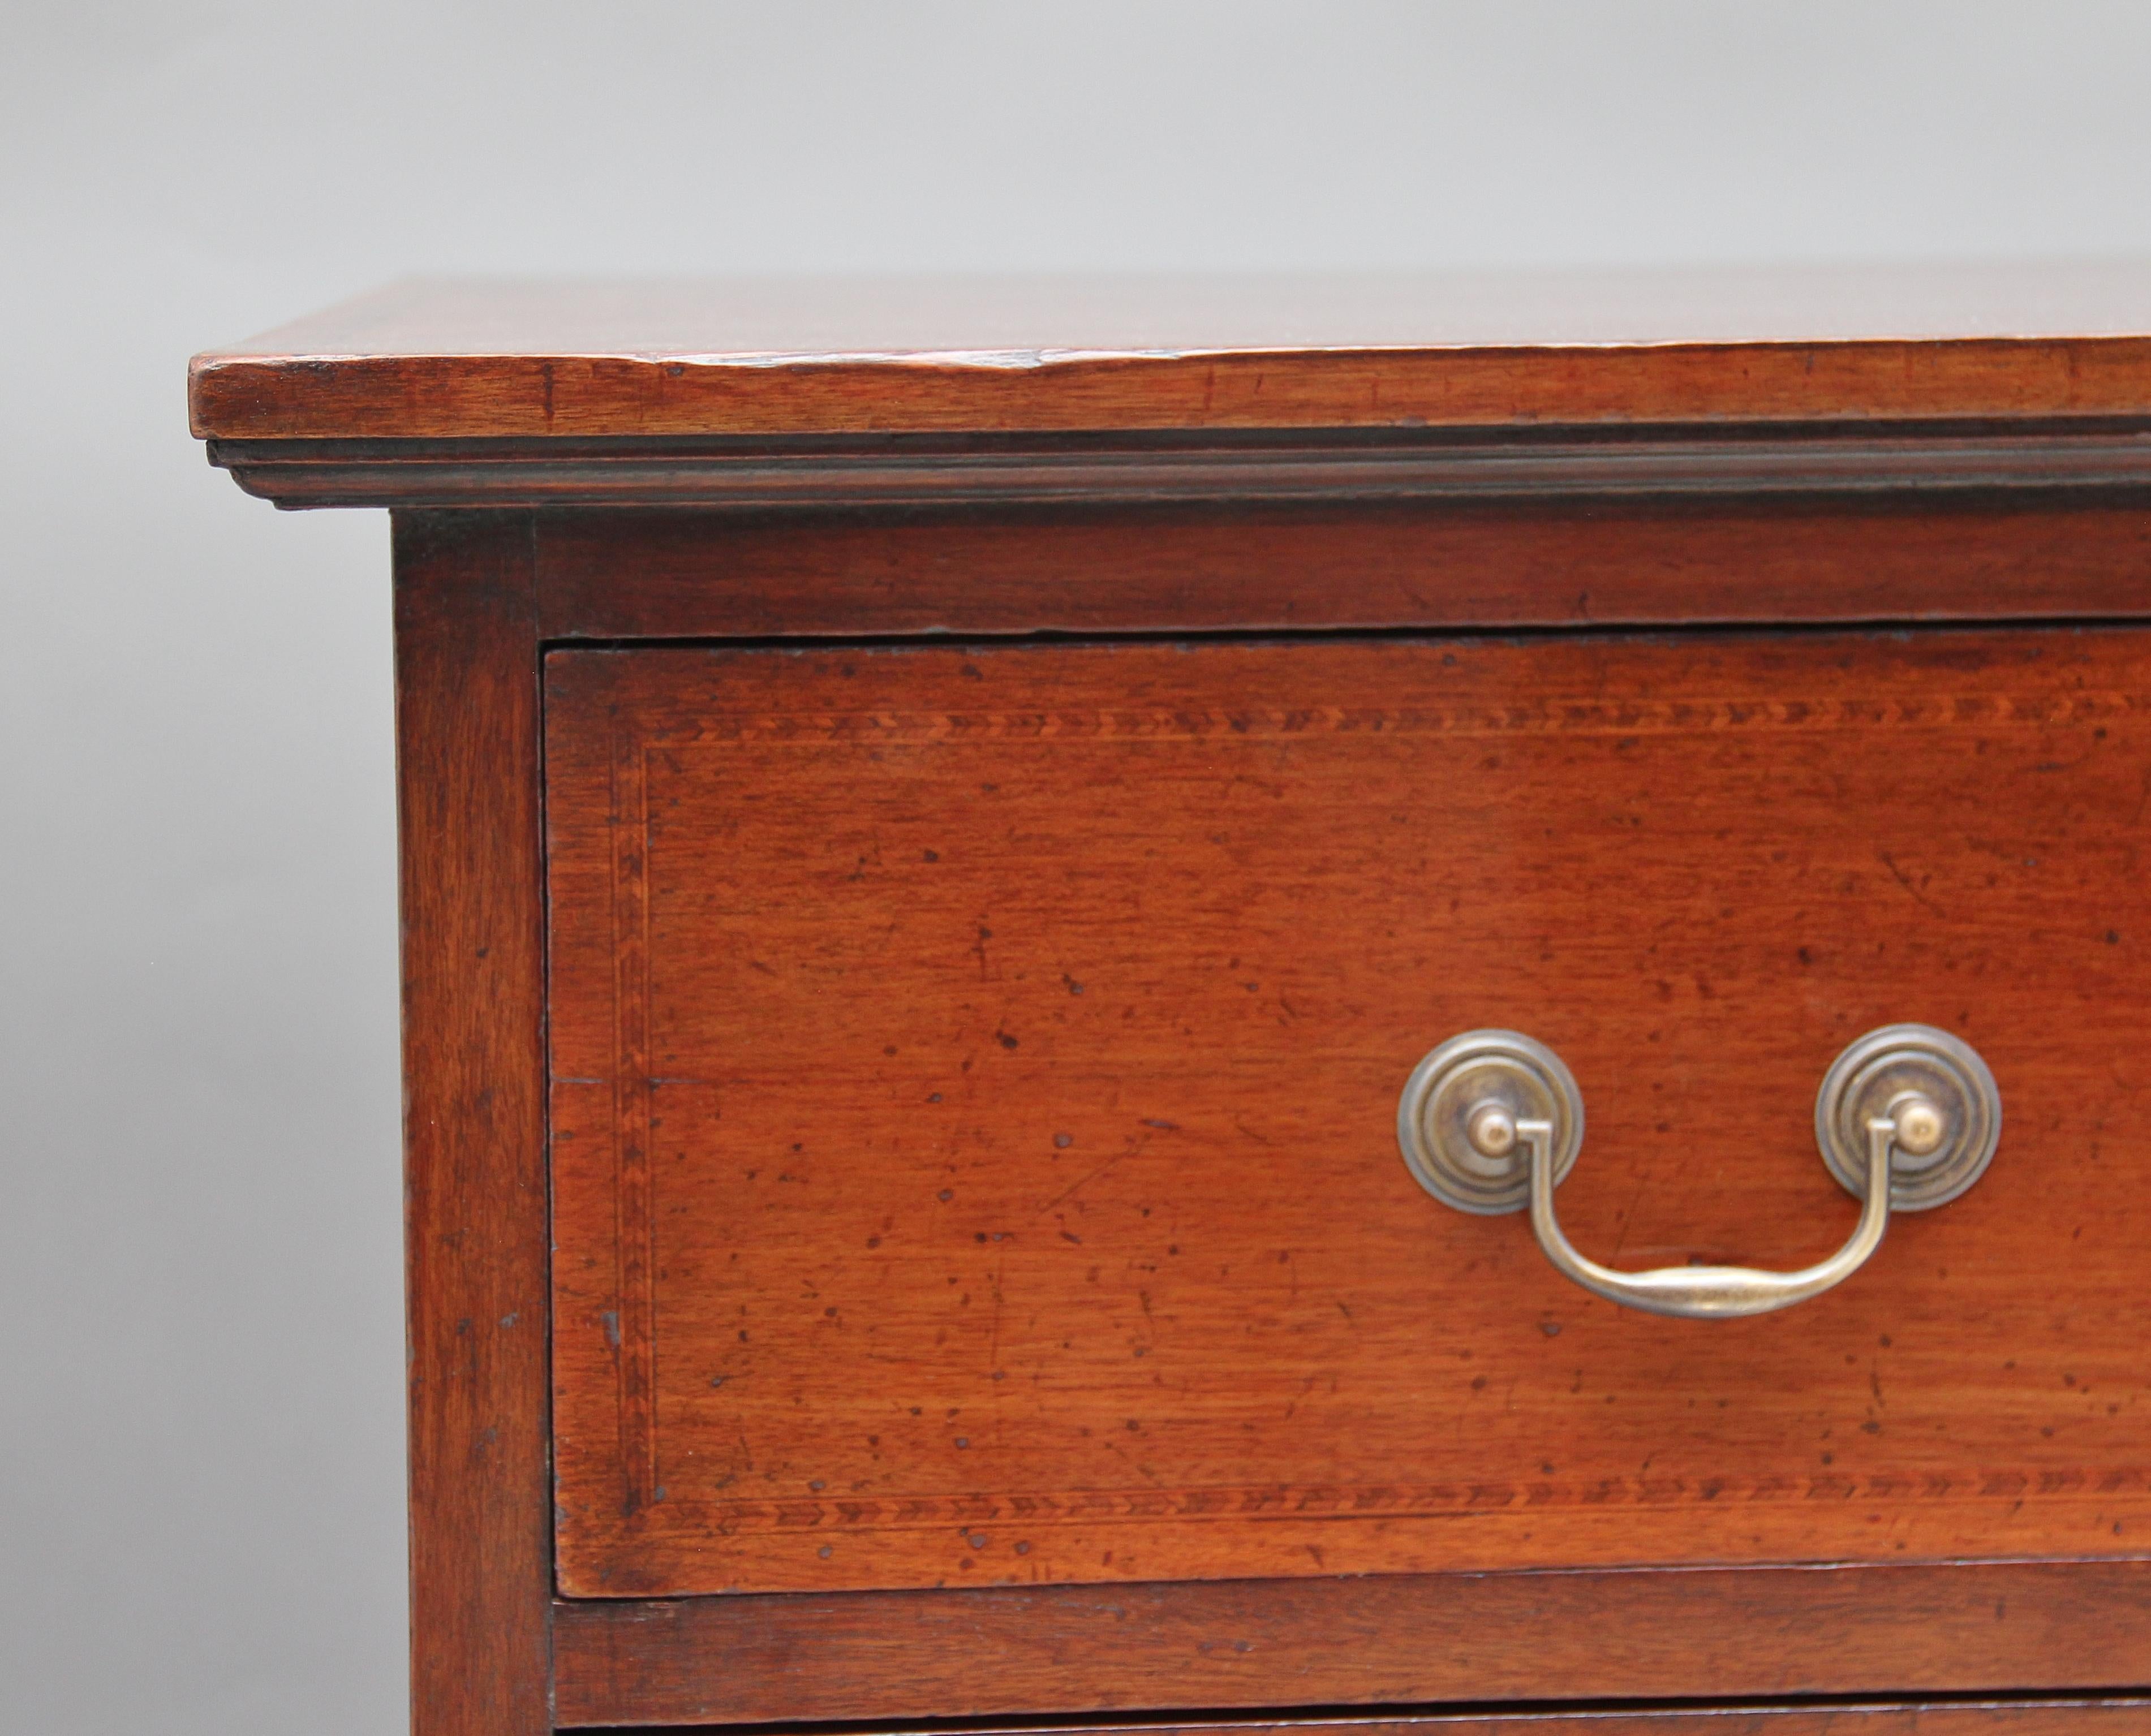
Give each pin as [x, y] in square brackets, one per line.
[1016, 900]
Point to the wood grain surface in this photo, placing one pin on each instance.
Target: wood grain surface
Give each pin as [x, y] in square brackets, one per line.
[607, 574]
[1713, 1635]
[473, 1127]
[493, 359]
[2028, 1718]
[974, 1075]
[2022, 460]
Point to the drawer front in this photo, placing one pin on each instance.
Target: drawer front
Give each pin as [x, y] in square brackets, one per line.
[2029, 1717]
[976, 1076]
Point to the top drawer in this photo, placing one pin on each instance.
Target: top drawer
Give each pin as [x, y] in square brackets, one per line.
[975, 1077]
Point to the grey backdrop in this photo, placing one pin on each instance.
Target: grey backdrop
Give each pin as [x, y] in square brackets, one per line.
[200, 1410]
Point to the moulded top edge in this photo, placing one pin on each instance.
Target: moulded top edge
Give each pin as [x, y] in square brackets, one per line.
[480, 358]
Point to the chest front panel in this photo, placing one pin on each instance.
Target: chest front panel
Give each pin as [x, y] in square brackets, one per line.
[975, 1077]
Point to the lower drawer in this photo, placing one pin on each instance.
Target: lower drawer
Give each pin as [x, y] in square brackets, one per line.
[976, 1082]
[2043, 1718]
[1695, 1635]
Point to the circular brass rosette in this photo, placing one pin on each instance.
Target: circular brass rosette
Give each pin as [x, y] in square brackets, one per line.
[1460, 1080]
[1891, 1067]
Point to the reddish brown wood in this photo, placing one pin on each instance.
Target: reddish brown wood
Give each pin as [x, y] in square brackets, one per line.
[975, 1074]
[612, 575]
[2025, 1718]
[2007, 1717]
[839, 1142]
[1134, 470]
[486, 361]
[1525, 1637]
[474, 1163]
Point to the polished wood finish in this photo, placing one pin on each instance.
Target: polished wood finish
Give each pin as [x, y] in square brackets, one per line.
[1311, 1643]
[489, 361]
[1125, 470]
[976, 1076]
[608, 574]
[838, 1142]
[2025, 1718]
[473, 1126]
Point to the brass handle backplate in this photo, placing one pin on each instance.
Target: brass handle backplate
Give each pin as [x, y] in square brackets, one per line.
[1906, 1118]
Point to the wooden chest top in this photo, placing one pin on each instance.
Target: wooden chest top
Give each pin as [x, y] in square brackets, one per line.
[485, 360]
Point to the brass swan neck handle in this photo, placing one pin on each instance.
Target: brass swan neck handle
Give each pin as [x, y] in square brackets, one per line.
[1907, 1118]
[1707, 1293]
